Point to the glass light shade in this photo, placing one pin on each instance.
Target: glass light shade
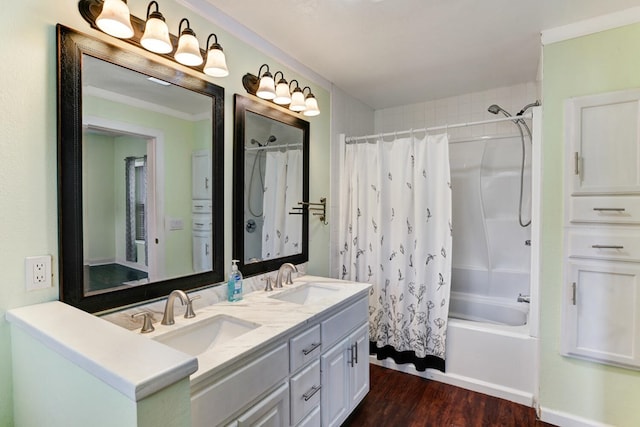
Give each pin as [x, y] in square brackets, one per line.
[216, 65]
[188, 52]
[297, 101]
[156, 36]
[311, 104]
[283, 97]
[115, 19]
[267, 88]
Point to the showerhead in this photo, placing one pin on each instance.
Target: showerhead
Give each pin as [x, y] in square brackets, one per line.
[495, 109]
[269, 141]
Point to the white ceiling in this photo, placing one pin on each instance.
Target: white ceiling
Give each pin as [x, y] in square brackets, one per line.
[395, 52]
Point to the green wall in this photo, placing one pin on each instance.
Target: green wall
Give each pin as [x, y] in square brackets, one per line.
[98, 197]
[28, 162]
[602, 62]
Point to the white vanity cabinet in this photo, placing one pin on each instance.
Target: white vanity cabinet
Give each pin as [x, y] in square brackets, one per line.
[312, 377]
[345, 365]
[601, 298]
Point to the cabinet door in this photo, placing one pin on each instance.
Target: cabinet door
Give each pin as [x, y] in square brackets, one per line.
[201, 175]
[359, 373]
[602, 155]
[202, 251]
[334, 370]
[602, 312]
[272, 411]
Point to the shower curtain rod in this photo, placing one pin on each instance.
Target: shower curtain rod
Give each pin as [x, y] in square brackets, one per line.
[273, 147]
[355, 139]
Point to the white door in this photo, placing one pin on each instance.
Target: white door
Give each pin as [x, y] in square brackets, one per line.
[359, 378]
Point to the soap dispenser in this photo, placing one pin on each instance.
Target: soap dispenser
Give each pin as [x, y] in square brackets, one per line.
[234, 285]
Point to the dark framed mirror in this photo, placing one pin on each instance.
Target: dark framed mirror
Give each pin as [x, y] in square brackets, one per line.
[140, 176]
[271, 179]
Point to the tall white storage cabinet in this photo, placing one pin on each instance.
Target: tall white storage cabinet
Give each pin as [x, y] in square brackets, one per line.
[601, 301]
[201, 225]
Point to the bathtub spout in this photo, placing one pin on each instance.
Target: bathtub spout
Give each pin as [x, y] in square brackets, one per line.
[524, 298]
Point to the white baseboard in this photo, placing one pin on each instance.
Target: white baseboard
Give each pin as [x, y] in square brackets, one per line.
[467, 383]
[566, 419]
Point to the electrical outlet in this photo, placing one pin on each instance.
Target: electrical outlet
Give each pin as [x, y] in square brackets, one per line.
[38, 272]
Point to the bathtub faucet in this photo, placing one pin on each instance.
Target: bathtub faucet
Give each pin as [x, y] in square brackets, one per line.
[524, 298]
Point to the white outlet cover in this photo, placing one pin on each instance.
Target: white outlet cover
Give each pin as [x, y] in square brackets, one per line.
[37, 271]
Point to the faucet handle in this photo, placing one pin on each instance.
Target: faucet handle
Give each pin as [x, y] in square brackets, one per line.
[189, 313]
[268, 287]
[147, 326]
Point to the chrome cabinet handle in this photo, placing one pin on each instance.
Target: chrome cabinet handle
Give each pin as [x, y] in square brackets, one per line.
[313, 390]
[310, 349]
[350, 360]
[607, 246]
[355, 352]
[576, 160]
[609, 209]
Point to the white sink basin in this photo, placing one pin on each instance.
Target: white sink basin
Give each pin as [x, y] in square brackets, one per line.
[205, 334]
[308, 293]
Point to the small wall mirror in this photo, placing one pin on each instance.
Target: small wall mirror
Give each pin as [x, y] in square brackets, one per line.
[140, 176]
[271, 178]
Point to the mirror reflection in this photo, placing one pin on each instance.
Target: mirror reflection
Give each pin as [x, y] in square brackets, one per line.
[273, 187]
[271, 178]
[146, 178]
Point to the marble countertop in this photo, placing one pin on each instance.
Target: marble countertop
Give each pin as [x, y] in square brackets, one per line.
[276, 318]
[134, 366]
[137, 365]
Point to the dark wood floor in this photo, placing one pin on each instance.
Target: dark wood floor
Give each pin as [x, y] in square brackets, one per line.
[397, 399]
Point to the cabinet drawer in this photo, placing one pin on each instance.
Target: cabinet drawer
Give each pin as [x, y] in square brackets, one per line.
[605, 209]
[201, 222]
[217, 402]
[610, 244]
[340, 324]
[304, 347]
[305, 391]
[312, 420]
[201, 206]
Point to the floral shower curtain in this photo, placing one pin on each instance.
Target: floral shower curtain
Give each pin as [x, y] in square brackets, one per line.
[281, 232]
[395, 233]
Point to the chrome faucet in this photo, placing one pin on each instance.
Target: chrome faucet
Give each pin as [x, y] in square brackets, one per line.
[524, 298]
[288, 268]
[167, 318]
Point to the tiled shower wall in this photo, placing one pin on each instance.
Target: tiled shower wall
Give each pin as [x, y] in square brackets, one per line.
[459, 109]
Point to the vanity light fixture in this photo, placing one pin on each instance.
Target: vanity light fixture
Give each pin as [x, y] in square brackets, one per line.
[297, 98]
[216, 65]
[266, 88]
[311, 104]
[188, 52]
[115, 19]
[153, 34]
[263, 86]
[283, 97]
[156, 33]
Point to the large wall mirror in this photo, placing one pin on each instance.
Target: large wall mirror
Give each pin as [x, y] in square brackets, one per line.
[140, 176]
[271, 178]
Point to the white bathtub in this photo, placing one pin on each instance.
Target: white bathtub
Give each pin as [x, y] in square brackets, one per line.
[500, 311]
[486, 356]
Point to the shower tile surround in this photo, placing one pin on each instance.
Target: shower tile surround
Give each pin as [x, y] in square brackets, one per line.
[469, 107]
